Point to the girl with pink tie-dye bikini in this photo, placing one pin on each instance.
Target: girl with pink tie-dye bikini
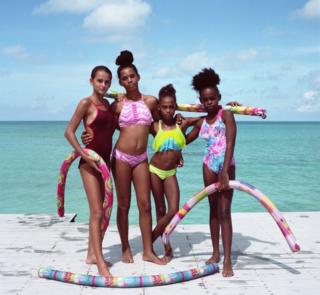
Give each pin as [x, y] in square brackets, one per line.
[130, 164]
[218, 129]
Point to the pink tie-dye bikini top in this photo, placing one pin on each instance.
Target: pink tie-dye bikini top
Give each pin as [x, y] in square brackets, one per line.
[134, 113]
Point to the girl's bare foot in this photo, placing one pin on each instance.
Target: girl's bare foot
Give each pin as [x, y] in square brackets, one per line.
[227, 269]
[215, 258]
[103, 270]
[153, 258]
[127, 256]
[93, 260]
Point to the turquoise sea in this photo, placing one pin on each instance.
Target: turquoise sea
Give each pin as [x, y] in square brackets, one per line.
[282, 159]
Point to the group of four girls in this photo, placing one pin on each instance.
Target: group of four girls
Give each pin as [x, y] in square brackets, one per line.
[135, 115]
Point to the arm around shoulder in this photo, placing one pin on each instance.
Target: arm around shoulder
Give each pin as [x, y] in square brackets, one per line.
[154, 128]
[116, 107]
[152, 102]
[192, 121]
[194, 133]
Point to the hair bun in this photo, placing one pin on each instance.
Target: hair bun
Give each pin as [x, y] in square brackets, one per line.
[167, 90]
[125, 58]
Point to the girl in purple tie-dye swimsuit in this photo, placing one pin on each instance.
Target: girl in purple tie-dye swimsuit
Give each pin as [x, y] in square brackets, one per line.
[218, 128]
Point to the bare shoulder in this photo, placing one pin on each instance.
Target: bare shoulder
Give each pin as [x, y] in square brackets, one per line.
[151, 100]
[227, 116]
[84, 103]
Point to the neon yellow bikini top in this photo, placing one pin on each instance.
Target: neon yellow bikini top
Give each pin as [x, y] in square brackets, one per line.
[166, 140]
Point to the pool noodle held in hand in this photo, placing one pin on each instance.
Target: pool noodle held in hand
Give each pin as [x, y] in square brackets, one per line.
[242, 186]
[105, 173]
[192, 107]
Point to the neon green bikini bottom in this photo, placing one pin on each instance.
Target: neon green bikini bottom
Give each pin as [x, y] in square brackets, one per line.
[162, 174]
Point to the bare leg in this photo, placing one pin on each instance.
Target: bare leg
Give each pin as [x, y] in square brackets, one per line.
[172, 194]
[141, 180]
[91, 257]
[122, 174]
[93, 185]
[226, 226]
[158, 196]
[210, 177]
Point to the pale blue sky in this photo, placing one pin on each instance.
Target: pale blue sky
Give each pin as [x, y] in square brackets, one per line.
[267, 53]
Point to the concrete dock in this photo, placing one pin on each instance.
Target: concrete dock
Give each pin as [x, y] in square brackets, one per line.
[263, 262]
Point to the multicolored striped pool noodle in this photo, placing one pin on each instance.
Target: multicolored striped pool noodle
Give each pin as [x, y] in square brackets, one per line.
[242, 186]
[131, 281]
[108, 198]
[193, 107]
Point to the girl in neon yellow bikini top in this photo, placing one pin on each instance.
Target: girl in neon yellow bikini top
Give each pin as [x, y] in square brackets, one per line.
[166, 140]
[168, 143]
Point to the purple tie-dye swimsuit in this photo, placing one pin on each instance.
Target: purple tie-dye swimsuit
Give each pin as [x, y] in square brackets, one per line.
[215, 136]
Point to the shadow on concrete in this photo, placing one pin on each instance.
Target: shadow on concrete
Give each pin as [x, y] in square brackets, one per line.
[183, 244]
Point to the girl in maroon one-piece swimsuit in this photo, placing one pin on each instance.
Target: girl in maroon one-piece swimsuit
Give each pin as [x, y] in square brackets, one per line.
[96, 114]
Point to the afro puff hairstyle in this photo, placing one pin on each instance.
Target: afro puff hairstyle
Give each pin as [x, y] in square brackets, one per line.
[206, 78]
